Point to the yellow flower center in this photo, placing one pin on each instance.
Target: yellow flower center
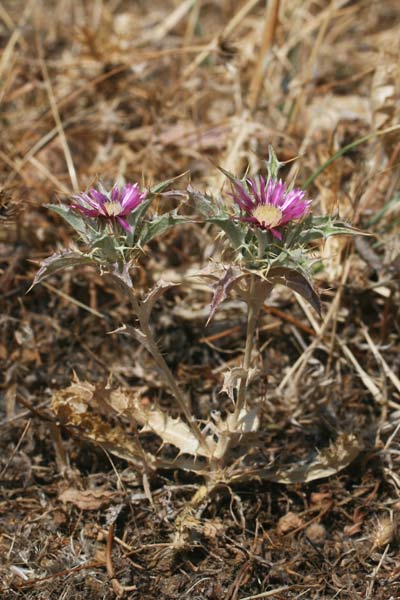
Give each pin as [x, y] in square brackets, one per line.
[113, 208]
[267, 214]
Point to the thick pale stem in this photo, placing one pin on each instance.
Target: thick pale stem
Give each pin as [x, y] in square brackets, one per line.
[169, 379]
[254, 307]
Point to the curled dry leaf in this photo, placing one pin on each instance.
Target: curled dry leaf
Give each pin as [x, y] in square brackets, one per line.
[88, 499]
[296, 282]
[222, 288]
[171, 430]
[329, 461]
[72, 406]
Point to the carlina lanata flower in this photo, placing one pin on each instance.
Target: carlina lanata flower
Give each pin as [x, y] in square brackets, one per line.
[268, 205]
[113, 206]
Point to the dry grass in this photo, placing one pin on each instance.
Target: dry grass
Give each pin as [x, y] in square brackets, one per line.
[146, 91]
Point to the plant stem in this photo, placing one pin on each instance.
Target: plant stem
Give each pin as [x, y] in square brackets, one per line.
[254, 308]
[151, 346]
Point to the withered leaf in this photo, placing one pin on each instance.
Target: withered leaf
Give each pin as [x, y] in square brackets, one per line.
[297, 282]
[329, 461]
[88, 499]
[222, 288]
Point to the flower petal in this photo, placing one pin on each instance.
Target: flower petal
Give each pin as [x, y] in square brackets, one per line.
[124, 224]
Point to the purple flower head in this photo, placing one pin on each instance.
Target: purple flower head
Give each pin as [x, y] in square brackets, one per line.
[268, 205]
[113, 206]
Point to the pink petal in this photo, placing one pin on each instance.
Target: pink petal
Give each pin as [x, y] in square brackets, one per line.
[124, 224]
[277, 234]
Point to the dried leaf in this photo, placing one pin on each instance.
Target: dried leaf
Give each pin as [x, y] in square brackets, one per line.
[88, 499]
[222, 288]
[170, 430]
[72, 407]
[329, 461]
[232, 379]
[296, 282]
[155, 293]
[288, 523]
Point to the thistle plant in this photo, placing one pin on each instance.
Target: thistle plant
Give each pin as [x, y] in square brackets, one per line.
[267, 227]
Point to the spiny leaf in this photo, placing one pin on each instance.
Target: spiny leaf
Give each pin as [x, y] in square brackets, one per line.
[122, 277]
[60, 260]
[232, 178]
[159, 225]
[205, 203]
[221, 289]
[315, 228]
[155, 293]
[329, 461]
[233, 230]
[273, 164]
[159, 187]
[297, 282]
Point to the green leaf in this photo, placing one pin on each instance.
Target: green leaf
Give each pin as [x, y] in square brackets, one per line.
[386, 208]
[233, 230]
[74, 219]
[232, 178]
[315, 228]
[159, 187]
[60, 260]
[159, 225]
[273, 164]
[135, 221]
[205, 203]
[346, 149]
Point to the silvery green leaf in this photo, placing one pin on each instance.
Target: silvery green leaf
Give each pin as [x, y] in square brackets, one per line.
[60, 260]
[159, 187]
[233, 230]
[205, 203]
[74, 219]
[314, 228]
[273, 164]
[159, 225]
[135, 220]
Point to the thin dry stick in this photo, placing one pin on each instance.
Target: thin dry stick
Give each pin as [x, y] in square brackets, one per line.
[118, 588]
[295, 372]
[17, 447]
[56, 115]
[366, 379]
[243, 131]
[14, 39]
[307, 73]
[268, 594]
[270, 25]
[161, 30]
[386, 369]
[236, 20]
